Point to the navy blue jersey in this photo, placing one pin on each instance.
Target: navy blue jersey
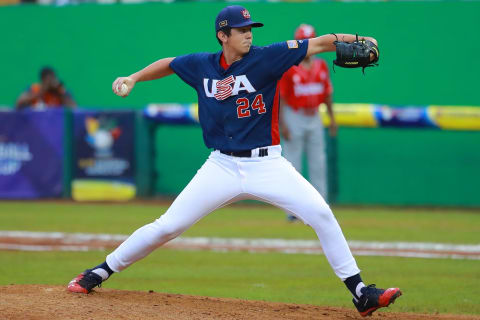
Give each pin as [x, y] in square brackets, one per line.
[238, 107]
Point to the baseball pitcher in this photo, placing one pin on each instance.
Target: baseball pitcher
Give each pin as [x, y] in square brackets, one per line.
[238, 103]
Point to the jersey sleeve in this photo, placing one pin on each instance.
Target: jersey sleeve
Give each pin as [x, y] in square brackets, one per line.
[186, 67]
[281, 56]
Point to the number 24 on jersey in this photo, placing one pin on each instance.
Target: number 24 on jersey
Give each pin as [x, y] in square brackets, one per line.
[244, 106]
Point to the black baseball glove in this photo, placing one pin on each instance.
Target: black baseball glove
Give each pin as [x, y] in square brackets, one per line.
[356, 54]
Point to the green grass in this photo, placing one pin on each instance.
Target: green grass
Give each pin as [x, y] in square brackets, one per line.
[380, 224]
[430, 285]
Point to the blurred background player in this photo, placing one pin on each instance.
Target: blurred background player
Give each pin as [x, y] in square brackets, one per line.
[48, 93]
[302, 89]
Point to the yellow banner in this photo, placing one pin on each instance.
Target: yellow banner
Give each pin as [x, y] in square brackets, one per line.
[352, 115]
[455, 118]
[194, 111]
[99, 190]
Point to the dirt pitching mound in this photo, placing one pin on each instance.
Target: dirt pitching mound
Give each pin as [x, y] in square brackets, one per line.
[38, 302]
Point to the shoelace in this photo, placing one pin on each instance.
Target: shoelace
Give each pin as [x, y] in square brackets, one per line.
[371, 288]
[91, 279]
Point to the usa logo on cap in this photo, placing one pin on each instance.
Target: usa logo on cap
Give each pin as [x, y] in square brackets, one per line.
[246, 14]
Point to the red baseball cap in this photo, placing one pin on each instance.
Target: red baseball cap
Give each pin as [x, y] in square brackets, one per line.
[305, 31]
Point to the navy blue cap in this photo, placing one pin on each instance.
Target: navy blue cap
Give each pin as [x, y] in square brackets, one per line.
[235, 17]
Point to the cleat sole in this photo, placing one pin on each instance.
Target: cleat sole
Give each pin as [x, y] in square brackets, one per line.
[77, 289]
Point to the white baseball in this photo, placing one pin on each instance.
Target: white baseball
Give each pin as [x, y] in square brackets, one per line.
[123, 89]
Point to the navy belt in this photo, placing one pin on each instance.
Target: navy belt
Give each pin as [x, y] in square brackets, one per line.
[263, 152]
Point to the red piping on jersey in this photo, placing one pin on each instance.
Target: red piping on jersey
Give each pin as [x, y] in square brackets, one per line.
[275, 132]
[223, 62]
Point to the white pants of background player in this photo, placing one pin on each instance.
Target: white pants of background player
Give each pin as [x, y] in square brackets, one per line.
[306, 135]
[225, 179]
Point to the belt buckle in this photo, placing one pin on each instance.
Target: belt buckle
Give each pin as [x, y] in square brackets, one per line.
[263, 152]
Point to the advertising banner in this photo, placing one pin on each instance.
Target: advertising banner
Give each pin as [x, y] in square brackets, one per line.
[31, 154]
[352, 115]
[172, 113]
[103, 155]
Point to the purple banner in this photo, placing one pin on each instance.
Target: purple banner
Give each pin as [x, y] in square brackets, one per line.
[31, 154]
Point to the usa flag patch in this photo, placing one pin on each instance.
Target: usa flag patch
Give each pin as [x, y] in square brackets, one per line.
[292, 44]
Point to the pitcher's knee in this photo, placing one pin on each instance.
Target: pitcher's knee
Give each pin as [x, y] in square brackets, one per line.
[320, 216]
[166, 231]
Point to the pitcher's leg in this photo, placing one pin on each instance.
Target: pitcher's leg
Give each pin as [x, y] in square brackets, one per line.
[213, 186]
[277, 182]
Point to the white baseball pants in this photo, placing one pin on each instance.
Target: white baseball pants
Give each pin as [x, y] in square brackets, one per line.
[225, 179]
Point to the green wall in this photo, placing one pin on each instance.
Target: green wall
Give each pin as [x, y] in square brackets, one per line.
[409, 166]
[428, 56]
[428, 49]
[179, 153]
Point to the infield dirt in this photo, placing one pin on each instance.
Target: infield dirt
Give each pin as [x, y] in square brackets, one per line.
[38, 302]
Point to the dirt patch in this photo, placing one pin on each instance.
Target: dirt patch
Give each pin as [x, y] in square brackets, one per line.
[38, 302]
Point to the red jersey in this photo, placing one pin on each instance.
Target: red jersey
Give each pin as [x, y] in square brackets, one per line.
[306, 88]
